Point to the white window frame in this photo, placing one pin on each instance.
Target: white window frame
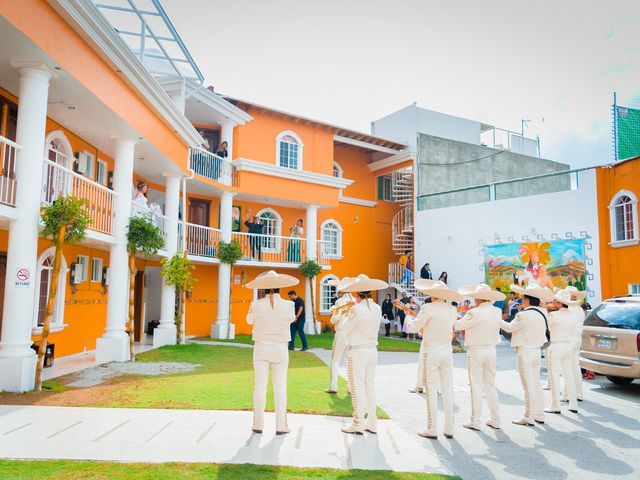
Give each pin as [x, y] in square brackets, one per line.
[57, 320]
[91, 165]
[278, 230]
[634, 289]
[62, 147]
[336, 166]
[323, 238]
[324, 285]
[85, 261]
[612, 220]
[300, 149]
[105, 165]
[96, 267]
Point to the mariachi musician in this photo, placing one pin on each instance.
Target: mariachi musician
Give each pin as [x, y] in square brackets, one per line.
[339, 314]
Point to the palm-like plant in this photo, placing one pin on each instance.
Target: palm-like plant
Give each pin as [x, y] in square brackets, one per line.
[143, 238]
[310, 269]
[177, 272]
[65, 222]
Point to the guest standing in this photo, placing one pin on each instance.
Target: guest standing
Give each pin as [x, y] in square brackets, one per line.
[298, 324]
[387, 310]
[293, 250]
[425, 272]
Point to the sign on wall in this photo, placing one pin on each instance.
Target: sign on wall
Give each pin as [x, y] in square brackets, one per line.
[557, 263]
[23, 276]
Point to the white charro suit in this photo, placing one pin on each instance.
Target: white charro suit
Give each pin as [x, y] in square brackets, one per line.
[339, 340]
[576, 345]
[562, 325]
[481, 327]
[271, 334]
[361, 329]
[436, 319]
[528, 335]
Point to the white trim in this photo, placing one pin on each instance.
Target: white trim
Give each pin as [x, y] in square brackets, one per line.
[393, 160]
[615, 243]
[59, 135]
[631, 287]
[337, 166]
[357, 201]
[337, 255]
[90, 24]
[106, 172]
[58, 322]
[86, 262]
[298, 140]
[247, 165]
[361, 144]
[277, 233]
[323, 281]
[93, 263]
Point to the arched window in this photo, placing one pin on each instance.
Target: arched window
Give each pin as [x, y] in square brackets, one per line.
[624, 218]
[43, 282]
[328, 293]
[337, 170]
[289, 151]
[272, 228]
[58, 150]
[331, 237]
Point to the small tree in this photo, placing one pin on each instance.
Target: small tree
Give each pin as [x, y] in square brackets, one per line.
[143, 237]
[310, 269]
[229, 253]
[177, 272]
[65, 222]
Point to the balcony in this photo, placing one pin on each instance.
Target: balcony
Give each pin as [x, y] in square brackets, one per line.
[271, 250]
[213, 167]
[59, 181]
[8, 150]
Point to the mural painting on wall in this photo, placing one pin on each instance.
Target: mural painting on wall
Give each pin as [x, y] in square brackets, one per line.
[557, 263]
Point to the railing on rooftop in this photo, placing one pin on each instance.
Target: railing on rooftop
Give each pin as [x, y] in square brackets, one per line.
[211, 166]
[58, 181]
[561, 181]
[8, 152]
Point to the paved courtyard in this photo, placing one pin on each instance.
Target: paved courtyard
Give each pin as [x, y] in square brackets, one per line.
[603, 441]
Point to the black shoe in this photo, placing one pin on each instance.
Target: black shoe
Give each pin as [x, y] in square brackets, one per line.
[304, 349]
[255, 430]
[573, 411]
[292, 349]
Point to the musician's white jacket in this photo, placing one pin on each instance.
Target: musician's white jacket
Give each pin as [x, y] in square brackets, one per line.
[436, 319]
[338, 319]
[527, 328]
[576, 345]
[481, 327]
[271, 334]
[563, 325]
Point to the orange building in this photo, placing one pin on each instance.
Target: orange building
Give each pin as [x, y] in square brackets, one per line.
[618, 193]
[91, 116]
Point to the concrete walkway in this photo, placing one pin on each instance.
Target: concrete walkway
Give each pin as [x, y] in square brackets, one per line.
[139, 435]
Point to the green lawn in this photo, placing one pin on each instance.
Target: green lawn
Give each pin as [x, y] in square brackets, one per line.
[325, 340]
[223, 382]
[71, 470]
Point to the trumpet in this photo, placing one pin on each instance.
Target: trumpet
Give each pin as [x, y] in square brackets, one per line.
[398, 304]
[342, 308]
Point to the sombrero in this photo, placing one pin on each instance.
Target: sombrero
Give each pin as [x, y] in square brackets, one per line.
[436, 289]
[272, 279]
[482, 291]
[578, 294]
[362, 283]
[340, 284]
[533, 290]
[564, 296]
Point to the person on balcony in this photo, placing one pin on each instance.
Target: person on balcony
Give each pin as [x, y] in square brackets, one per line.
[139, 199]
[222, 152]
[293, 250]
[255, 228]
[444, 277]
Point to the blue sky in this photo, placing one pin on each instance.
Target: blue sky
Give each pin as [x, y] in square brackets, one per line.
[496, 61]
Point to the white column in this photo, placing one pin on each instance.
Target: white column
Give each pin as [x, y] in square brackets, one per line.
[226, 135]
[113, 346]
[17, 359]
[220, 329]
[311, 228]
[165, 334]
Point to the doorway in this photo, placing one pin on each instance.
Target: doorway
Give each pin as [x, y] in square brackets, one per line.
[199, 211]
[198, 238]
[3, 272]
[138, 306]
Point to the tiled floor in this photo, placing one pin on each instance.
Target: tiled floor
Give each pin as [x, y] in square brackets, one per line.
[138, 435]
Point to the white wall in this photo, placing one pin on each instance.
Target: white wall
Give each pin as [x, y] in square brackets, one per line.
[403, 126]
[452, 238]
[152, 294]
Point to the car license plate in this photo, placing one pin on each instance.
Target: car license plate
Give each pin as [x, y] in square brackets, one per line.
[605, 344]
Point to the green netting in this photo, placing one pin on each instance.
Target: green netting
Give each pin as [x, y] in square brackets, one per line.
[628, 132]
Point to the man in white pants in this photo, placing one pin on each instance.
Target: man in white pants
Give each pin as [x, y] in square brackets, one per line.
[528, 335]
[339, 314]
[361, 328]
[562, 324]
[576, 341]
[436, 319]
[271, 318]
[481, 326]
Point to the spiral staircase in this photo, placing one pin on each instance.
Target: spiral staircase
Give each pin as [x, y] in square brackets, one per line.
[402, 232]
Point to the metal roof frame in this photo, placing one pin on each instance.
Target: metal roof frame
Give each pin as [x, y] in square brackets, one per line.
[189, 68]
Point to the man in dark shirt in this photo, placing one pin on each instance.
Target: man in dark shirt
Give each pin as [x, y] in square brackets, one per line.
[298, 324]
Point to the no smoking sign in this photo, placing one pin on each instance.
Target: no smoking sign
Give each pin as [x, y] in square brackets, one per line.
[22, 277]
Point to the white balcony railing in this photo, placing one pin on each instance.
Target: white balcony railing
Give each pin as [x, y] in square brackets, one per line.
[160, 220]
[201, 240]
[58, 181]
[211, 166]
[323, 253]
[8, 151]
[271, 248]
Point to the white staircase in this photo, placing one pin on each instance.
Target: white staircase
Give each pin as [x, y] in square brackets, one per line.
[403, 280]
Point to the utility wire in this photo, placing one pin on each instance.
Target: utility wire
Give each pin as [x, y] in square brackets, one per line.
[463, 161]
